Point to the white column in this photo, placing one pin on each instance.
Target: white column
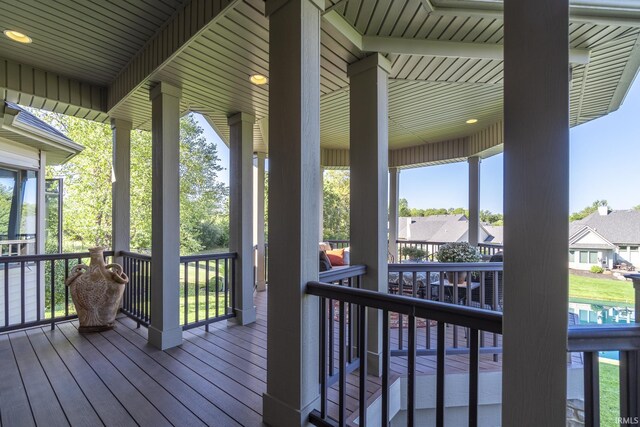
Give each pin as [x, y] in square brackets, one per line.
[241, 213]
[260, 241]
[165, 330]
[474, 200]
[121, 186]
[536, 208]
[369, 159]
[41, 206]
[321, 207]
[394, 200]
[294, 162]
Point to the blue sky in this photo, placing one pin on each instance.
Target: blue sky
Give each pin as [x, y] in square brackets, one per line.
[605, 164]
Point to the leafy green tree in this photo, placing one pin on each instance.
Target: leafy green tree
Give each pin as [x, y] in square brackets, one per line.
[87, 177]
[403, 208]
[637, 208]
[336, 196]
[588, 210]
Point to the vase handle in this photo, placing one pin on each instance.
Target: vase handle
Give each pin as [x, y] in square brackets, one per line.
[76, 271]
[117, 273]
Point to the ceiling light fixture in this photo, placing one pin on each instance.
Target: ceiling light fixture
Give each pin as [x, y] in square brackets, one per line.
[17, 36]
[258, 79]
[472, 121]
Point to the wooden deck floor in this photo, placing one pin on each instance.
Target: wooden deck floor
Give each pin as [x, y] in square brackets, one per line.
[114, 378]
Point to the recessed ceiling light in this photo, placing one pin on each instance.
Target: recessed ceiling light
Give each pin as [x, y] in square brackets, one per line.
[17, 36]
[258, 79]
[472, 121]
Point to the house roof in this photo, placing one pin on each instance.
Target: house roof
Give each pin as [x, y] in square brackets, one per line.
[496, 233]
[19, 125]
[437, 228]
[618, 227]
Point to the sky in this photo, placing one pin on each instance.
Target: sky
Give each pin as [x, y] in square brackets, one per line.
[604, 164]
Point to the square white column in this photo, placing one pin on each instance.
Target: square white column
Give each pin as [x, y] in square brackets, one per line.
[394, 201]
[294, 161]
[474, 200]
[121, 186]
[369, 159]
[241, 214]
[536, 210]
[165, 330]
[260, 223]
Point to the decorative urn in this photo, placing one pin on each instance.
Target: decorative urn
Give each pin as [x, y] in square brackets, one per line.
[96, 291]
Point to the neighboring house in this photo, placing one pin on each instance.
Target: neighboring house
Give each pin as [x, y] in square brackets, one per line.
[444, 228]
[605, 238]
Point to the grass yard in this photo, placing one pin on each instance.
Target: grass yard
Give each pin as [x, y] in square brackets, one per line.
[588, 288]
[609, 394]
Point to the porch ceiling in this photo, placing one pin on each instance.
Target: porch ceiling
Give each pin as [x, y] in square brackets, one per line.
[430, 97]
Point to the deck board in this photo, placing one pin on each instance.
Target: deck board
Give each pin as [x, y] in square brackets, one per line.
[115, 378]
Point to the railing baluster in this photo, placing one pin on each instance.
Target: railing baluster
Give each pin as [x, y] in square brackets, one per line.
[38, 292]
[217, 285]
[323, 358]
[629, 384]
[197, 290]
[53, 294]
[591, 389]
[6, 294]
[186, 293]
[386, 355]
[473, 377]
[411, 371]
[22, 293]
[342, 388]
[331, 337]
[66, 288]
[362, 347]
[440, 375]
[206, 290]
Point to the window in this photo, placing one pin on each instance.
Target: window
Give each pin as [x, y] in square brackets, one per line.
[622, 249]
[593, 257]
[18, 196]
[634, 249]
[584, 257]
[572, 256]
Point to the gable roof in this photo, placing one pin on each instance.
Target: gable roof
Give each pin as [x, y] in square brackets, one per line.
[19, 125]
[618, 227]
[436, 228]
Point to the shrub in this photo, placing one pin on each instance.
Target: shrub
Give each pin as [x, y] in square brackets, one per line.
[458, 252]
[597, 269]
[413, 253]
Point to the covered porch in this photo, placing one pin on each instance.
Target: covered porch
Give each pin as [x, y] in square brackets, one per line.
[375, 86]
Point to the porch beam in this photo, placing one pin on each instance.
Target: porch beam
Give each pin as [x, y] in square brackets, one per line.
[260, 222]
[26, 85]
[241, 214]
[424, 47]
[294, 162]
[474, 200]
[394, 203]
[195, 17]
[369, 152]
[121, 186]
[165, 331]
[536, 202]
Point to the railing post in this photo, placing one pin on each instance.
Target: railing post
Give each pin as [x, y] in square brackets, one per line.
[630, 368]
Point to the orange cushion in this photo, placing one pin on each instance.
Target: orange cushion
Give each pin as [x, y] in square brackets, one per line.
[336, 256]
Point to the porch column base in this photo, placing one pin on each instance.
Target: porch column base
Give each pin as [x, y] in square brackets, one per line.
[244, 317]
[164, 339]
[374, 363]
[277, 413]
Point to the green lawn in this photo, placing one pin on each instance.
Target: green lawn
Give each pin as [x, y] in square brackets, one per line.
[609, 394]
[588, 288]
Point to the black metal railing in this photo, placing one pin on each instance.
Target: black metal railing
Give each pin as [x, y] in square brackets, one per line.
[338, 244]
[32, 289]
[207, 289]
[590, 340]
[449, 283]
[353, 308]
[137, 293]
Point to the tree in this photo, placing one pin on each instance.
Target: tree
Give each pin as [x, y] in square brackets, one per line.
[588, 210]
[87, 178]
[336, 197]
[636, 208]
[403, 207]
